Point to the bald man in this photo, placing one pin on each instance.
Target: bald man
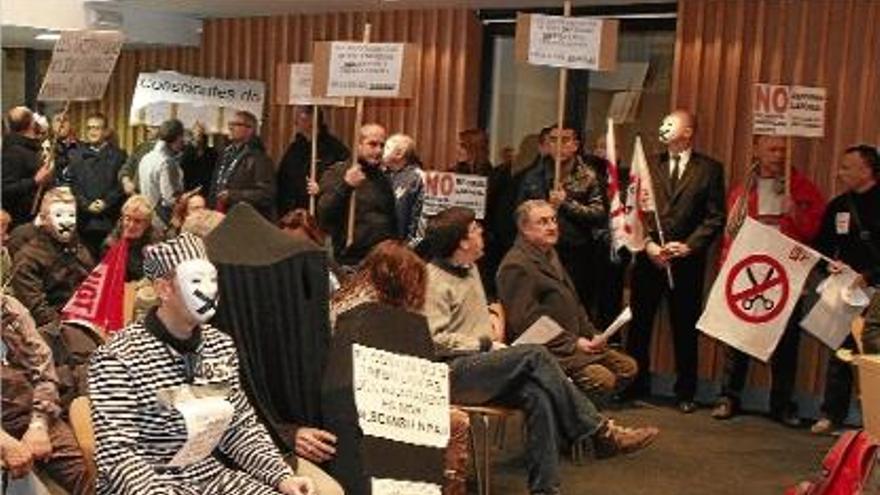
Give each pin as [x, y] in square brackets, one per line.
[375, 214]
[689, 192]
[23, 169]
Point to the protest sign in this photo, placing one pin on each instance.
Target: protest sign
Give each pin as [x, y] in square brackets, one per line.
[779, 110]
[445, 189]
[173, 87]
[206, 115]
[401, 398]
[81, 65]
[379, 70]
[566, 42]
[384, 486]
[293, 86]
[757, 289]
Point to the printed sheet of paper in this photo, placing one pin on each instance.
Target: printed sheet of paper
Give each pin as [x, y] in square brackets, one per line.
[206, 421]
[365, 69]
[384, 486]
[830, 319]
[622, 319]
[541, 331]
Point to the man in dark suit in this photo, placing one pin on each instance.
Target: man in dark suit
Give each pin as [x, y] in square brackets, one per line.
[689, 196]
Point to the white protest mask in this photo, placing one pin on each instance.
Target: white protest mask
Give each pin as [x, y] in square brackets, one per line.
[62, 220]
[671, 128]
[197, 281]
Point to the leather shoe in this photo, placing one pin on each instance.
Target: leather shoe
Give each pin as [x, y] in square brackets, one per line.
[788, 418]
[723, 409]
[687, 406]
[612, 439]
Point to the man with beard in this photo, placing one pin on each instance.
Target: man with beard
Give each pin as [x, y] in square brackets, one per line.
[374, 210]
[23, 170]
[50, 267]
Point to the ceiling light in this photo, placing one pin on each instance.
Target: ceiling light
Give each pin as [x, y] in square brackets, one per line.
[48, 36]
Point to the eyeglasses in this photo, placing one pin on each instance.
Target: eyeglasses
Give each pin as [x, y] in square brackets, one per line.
[239, 124]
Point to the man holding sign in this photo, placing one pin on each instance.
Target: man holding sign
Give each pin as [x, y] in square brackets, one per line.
[374, 208]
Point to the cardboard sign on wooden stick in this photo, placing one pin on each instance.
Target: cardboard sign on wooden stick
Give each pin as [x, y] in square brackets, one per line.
[780, 110]
[81, 65]
[569, 42]
[374, 70]
[293, 86]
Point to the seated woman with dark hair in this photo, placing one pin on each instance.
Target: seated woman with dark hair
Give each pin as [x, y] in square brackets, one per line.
[135, 225]
[380, 307]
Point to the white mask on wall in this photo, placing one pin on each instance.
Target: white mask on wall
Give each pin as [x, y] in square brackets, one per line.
[197, 281]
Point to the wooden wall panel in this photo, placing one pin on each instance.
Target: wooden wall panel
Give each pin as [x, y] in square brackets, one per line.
[723, 47]
[249, 48]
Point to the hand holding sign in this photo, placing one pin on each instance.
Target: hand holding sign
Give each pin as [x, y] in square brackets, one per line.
[354, 176]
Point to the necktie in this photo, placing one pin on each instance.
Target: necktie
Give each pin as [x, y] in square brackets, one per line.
[674, 175]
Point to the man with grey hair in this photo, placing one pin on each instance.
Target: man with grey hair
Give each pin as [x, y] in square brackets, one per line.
[403, 167]
[375, 217]
[533, 283]
[244, 172]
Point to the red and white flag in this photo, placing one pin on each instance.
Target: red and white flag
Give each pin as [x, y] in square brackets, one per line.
[639, 199]
[757, 289]
[617, 216]
[99, 300]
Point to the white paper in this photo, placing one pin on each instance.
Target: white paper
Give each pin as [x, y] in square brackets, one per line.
[559, 41]
[173, 87]
[365, 69]
[206, 421]
[81, 66]
[208, 116]
[401, 398]
[769, 197]
[300, 89]
[384, 486]
[830, 319]
[445, 189]
[543, 330]
[779, 110]
[622, 319]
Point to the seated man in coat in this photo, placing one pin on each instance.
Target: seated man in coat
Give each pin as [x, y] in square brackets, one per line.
[169, 413]
[533, 283]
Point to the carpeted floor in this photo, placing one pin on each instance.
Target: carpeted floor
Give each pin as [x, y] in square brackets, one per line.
[694, 455]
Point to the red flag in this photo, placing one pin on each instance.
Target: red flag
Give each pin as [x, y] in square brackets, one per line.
[99, 300]
[617, 216]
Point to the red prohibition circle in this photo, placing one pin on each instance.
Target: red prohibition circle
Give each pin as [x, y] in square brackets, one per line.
[733, 300]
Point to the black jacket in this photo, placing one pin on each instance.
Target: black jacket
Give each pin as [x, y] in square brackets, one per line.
[21, 159]
[294, 168]
[93, 175]
[247, 173]
[375, 214]
[695, 212]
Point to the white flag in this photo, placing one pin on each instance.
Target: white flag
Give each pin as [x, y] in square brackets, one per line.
[759, 284]
[830, 319]
[639, 199]
[617, 215]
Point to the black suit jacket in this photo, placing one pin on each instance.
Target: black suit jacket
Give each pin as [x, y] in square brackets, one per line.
[695, 212]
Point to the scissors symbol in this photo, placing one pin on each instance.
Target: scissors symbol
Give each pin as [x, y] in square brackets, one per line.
[749, 303]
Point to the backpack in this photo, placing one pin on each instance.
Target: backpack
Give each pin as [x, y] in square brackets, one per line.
[847, 468]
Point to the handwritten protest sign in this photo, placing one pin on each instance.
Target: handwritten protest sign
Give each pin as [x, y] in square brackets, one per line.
[445, 189]
[293, 86]
[567, 42]
[401, 398]
[379, 70]
[81, 65]
[173, 87]
[779, 110]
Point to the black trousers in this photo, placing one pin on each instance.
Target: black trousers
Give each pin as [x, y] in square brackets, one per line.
[838, 386]
[649, 286]
[783, 368]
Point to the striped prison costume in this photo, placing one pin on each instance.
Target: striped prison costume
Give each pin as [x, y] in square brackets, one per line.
[137, 436]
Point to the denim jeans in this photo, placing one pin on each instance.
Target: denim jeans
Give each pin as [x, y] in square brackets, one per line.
[528, 378]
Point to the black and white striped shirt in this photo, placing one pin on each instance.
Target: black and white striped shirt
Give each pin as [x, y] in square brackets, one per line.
[137, 436]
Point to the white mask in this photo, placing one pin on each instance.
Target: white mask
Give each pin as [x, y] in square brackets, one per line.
[197, 281]
[62, 220]
[670, 129]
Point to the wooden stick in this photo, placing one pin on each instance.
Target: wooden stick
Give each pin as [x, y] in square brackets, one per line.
[313, 170]
[788, 150]
[358, 117]
[560, 113]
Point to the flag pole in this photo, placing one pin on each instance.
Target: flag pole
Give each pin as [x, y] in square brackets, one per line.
[313, 165]
[660, 233]
[358, 117]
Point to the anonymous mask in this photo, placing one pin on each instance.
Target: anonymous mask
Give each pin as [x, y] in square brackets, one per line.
[197, 281]
[670, 129]
[62, 220]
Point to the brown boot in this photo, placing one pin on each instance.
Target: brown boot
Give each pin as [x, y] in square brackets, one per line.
[612, 439]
